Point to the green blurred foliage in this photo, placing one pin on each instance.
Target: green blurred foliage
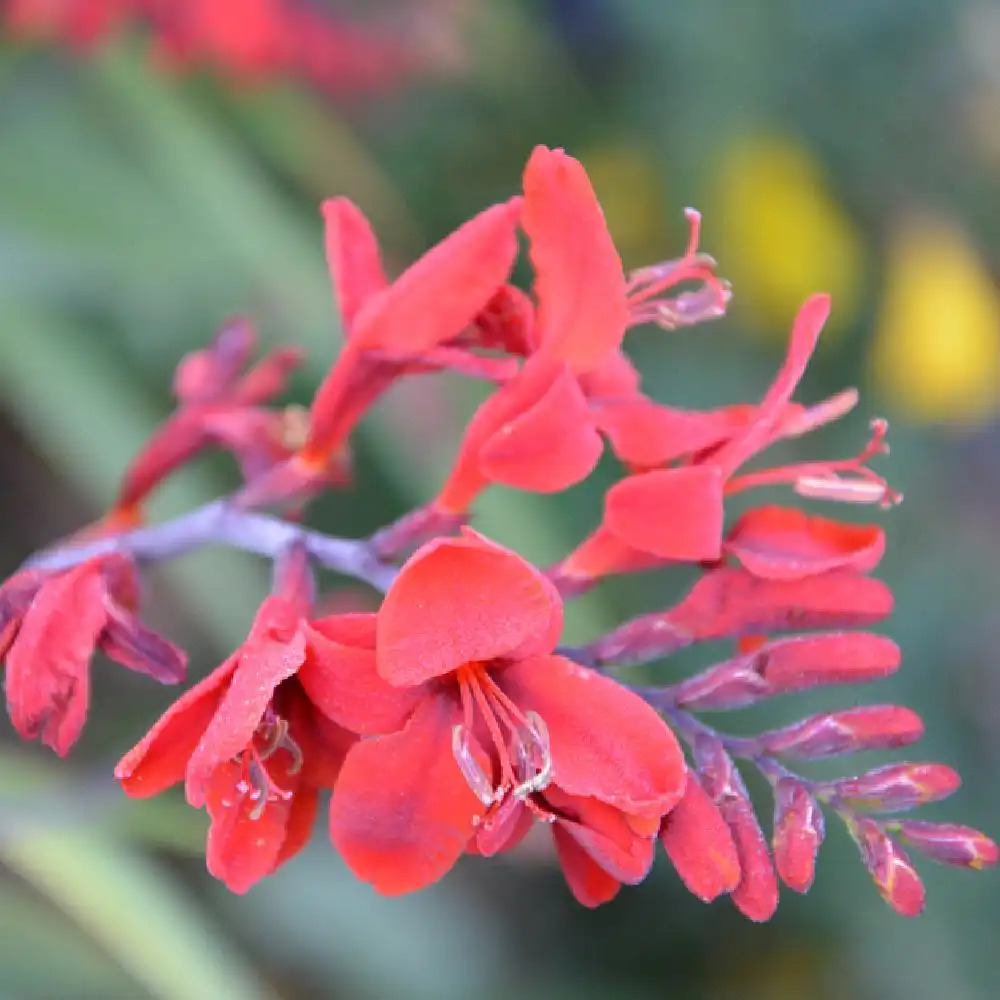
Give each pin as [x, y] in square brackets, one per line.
[137, 212]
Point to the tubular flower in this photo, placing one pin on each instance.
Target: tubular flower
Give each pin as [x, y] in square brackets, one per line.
[478, 727]
[540, 432]
[217, 406]
[772, 541]
[250, 746]
[413, 324]
[448, 722]
[50, 626]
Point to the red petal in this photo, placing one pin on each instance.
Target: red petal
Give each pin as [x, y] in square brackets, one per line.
[805, 333]
[353, 628]
[782, 543]
[458, 600]
[605, 833]
[48, 666]
[600, 554]
[173, 443]
[439, 296]
[548, 445]
[207, 374]
[352, 254]
[589, 883]
[503, 831]
[579, 283]
[700, 845]
[160, 758]
[617, 378]
[672, 513]
[243, 846]
[299, 824]
[272, 653]
[730, 601]
[127, 641]
[402, 813]
[645, 434]
[534, 433]
[268, 378]
[605, 741]
[343, 683]
[323, 744]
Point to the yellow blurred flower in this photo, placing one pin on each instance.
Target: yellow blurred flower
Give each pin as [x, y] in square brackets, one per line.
[936, 351]
[780, 235]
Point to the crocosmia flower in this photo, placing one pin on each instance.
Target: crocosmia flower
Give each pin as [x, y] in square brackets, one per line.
[50, 625]
[476, 727]
[250, 747]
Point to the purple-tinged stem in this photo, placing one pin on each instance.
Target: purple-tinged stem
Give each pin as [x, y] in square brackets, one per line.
[219, 523]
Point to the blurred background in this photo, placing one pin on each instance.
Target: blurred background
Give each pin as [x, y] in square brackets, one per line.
[852, 147]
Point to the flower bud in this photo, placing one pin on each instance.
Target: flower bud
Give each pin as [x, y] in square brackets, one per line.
[897, 787]
[950, 844]
[799, 829]
[789, 665]
[890, 868]
[828, 735]
[756, 896]
[700, 845]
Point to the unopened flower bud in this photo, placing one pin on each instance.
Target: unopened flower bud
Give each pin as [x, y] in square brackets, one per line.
[799, 829]
[898, 786]
[890, 868]
[950, 844]
[828, 735]
[699, 843]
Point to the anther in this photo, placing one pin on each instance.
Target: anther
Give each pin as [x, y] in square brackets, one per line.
[534, 777]
[469, 766]
[845, 490]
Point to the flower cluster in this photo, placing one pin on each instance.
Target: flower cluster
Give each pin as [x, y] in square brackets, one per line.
[244, 39]
[451, 721]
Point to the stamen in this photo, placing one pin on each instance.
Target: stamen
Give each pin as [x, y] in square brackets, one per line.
[275, 731]
[523, 755]
[469, 766]
[693, 217]
[262, 789]
[649, 288]
[536, 746]
[846, 490]
[846, 480]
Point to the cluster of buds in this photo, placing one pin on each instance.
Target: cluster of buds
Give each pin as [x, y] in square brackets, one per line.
[451, 721]
[245, 39]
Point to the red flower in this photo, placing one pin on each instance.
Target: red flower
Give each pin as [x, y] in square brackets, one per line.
[417, 323]
[677, 513]
[217, 406]
[540, 432]
[250, 746]
[248, 39]
[50, 625]
[477, 727]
